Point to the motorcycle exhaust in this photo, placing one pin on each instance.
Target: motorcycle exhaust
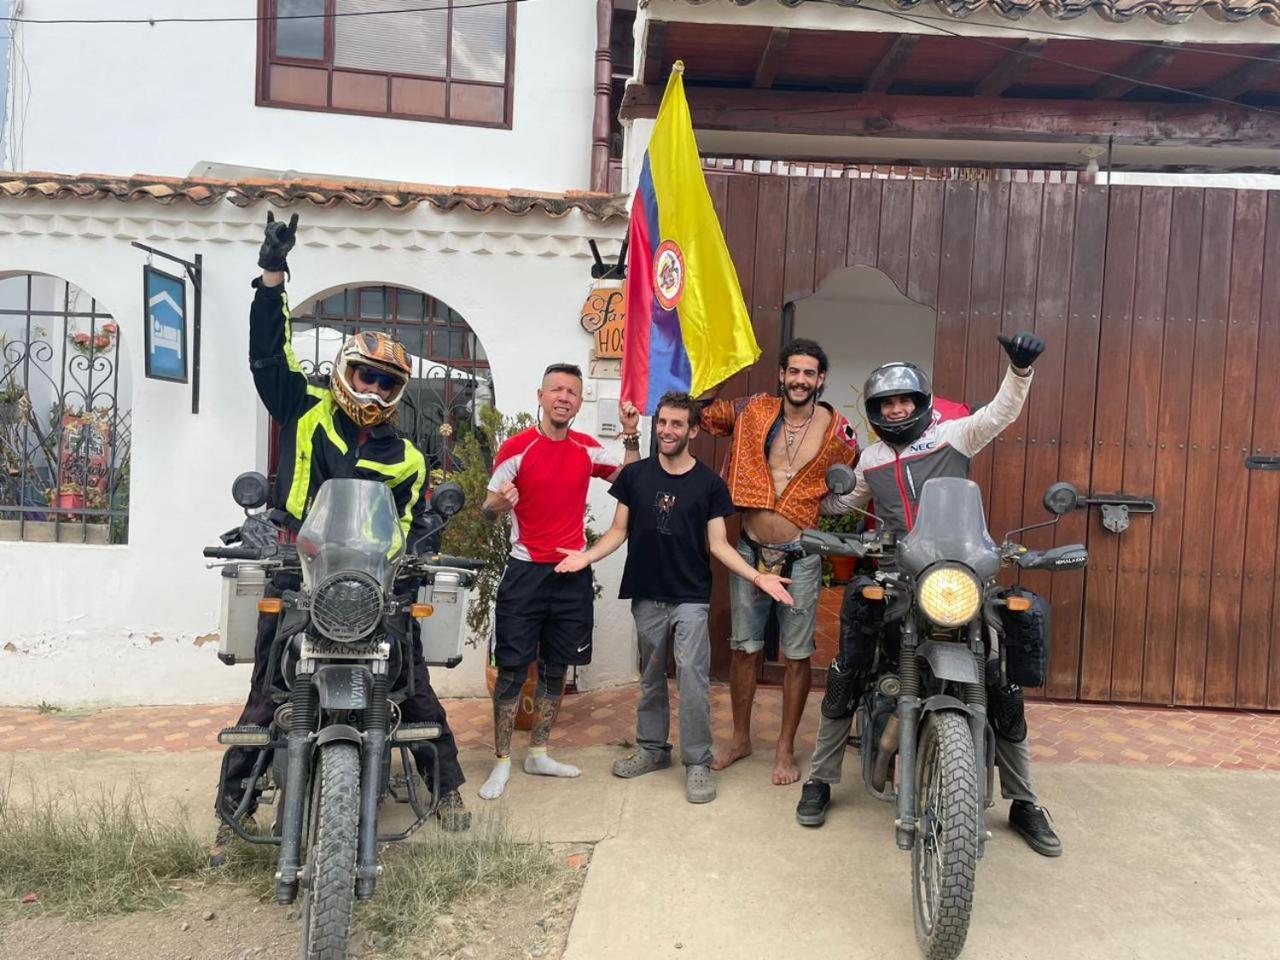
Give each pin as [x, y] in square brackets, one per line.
[884, 755]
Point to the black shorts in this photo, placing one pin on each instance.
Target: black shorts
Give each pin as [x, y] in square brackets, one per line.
[543, 615]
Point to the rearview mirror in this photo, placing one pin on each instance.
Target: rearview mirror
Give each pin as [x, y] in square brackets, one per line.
[840, 479]
[448, 499]
[249, 490]
[1061, 498]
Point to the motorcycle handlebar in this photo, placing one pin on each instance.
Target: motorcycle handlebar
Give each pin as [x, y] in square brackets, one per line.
[444, 560]
[233, 553]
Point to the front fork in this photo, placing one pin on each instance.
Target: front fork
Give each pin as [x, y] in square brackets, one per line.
[375, 744]
[975, 696]
[908, 719]
[297, 777]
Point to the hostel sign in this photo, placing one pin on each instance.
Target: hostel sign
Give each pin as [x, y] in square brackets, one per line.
[165, 297]
[604, 315]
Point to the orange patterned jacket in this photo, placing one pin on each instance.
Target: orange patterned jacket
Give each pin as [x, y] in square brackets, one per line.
[747, 472]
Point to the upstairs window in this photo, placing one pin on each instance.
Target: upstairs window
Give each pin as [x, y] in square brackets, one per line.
[441, 60]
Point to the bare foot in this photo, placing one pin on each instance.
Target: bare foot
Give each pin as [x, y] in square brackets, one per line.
[731, 755]
[785, 770]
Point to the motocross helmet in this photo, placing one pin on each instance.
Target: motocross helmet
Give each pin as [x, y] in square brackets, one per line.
[894, 380]
[378, 351]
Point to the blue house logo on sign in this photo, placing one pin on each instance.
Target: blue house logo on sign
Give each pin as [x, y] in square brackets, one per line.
[166, 327]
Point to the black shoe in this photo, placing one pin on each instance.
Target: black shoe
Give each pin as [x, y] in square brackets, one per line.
[1031, 822]
[811, 811]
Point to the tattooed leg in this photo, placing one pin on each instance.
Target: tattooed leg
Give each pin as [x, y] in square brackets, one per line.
[505, 708]
[545, 707]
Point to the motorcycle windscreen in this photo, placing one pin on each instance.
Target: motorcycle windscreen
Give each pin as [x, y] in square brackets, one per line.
[950, 526]
[352, 527]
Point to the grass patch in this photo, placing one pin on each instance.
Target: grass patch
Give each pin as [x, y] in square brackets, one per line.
[47, 707]
[87, 856]
[423, 879]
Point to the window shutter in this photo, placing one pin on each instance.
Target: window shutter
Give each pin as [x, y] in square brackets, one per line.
[479, 41]
[409, 43]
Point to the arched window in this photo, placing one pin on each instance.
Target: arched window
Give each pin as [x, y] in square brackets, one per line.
[65, 416]
[451, 378]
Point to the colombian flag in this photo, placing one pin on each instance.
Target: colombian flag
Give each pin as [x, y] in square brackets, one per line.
[687, 325]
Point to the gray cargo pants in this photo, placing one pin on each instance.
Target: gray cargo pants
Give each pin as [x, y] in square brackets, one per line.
[1013, 759]
[657, 625]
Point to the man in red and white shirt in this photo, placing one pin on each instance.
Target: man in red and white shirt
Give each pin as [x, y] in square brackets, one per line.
[541, 476]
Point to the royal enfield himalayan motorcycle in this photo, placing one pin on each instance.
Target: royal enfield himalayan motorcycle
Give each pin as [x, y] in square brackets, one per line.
[340, 665]
[925, 708]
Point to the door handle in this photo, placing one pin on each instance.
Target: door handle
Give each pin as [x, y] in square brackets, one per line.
[1262, 463]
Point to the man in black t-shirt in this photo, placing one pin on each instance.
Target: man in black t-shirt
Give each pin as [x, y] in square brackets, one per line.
[672, 508]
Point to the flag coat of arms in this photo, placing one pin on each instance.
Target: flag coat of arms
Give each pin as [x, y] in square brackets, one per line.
[687, 325]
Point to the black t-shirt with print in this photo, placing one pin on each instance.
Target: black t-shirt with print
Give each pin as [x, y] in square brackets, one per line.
[668, 558]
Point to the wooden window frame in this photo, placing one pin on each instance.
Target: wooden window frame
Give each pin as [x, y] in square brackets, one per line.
[267, 59]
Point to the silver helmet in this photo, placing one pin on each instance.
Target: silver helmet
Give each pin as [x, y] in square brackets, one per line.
[894, 380]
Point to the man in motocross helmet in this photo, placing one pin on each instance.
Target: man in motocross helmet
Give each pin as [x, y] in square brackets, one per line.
[344, 428]
[916, 444]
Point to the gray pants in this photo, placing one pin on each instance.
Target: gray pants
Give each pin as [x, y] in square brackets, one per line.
[1013, 759]
[657, 624]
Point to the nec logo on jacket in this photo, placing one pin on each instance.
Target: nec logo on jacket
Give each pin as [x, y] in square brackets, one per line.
[922, 447]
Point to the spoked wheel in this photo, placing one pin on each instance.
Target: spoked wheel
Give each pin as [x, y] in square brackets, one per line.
[945, 856]
[331, 854]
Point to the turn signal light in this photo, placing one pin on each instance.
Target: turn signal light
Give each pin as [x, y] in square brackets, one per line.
[420, 611]
[1018, 604]
[271, 605]
[873, 593]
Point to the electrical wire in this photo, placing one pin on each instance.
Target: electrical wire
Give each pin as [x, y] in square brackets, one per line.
[1076, 66]
[153, 21]
[1021, 30]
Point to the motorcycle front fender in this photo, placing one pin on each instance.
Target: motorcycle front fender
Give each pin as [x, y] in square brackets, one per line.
[343, 687]
[942, 701]
[950, 661]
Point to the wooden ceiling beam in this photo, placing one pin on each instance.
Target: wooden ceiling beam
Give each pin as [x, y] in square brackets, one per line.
[964, 118]
[1139, 68]
[771, 58]
[655, 48]
[891, 64]
[1007, 71]
[1241, 81]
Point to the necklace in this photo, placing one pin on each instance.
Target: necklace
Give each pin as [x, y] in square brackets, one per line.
[793, 445]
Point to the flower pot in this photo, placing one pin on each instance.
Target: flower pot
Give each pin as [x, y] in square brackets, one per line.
[524, 713]
[842, 569]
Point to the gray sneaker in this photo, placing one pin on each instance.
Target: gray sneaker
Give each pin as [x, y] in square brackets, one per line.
[640, 763]
[699, 786]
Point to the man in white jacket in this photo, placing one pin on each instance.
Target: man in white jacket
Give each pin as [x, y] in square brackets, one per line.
[916, 445]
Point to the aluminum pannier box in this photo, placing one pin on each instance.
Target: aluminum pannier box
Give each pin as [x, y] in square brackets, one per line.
[445, 631]
[243, 586]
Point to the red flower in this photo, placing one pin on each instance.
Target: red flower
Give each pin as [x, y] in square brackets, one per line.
[102, 341]
[82, 339]
[110, 329]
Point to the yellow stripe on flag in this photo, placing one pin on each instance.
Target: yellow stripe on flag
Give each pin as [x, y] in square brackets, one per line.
[714, 323]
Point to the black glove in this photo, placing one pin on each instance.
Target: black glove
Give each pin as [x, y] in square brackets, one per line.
[1022, 348]
[279, 240]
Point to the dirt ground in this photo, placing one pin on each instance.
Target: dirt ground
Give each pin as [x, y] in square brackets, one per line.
[231, 922]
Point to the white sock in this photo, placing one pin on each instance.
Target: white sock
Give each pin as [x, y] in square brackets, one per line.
[539, 763]
[497, 782]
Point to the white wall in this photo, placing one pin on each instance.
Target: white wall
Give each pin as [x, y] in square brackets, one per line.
[130, 98]
[133, 623]
[862, 321]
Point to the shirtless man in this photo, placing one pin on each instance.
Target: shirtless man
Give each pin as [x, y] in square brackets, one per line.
[782, 447]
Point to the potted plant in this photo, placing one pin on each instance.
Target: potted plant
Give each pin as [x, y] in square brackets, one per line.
[842, 568]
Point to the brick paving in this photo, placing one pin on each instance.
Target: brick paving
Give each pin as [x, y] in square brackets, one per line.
[1060, 733]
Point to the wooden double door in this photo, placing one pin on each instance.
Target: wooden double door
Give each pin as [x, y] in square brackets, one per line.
[1161, 309]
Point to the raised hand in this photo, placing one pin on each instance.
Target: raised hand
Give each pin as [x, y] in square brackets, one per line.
[278, 240]
[1022, 348]
[574, 560]
[629, 414]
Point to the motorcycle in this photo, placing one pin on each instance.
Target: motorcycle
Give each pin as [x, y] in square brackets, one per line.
[925, 708]
[339, 666]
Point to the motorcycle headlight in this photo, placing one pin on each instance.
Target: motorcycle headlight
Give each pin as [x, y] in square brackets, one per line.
[347, 607]
[950, 596]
